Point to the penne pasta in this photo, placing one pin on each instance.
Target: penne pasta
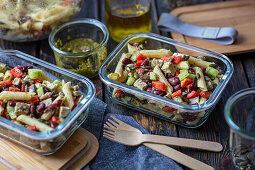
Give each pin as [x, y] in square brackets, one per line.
[119, 75]
[9, 95]
[156, 53]
[200, 79]
[34, 122]
[162, 78]
[69, 102]
[132, 49]
[199, 62]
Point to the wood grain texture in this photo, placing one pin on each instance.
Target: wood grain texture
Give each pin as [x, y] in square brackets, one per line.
[22, 158]
[89, 154]
[237, 14]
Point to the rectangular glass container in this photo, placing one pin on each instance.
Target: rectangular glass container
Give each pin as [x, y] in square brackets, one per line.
[47, 142]
[190, 116]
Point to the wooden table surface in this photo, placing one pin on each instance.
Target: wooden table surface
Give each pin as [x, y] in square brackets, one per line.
[215, 128]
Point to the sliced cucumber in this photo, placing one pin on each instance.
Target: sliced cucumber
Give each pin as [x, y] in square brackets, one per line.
[212, 72]
[183, 74]
[153, 76]
[35, 73]
[131, 81]
[40, 91]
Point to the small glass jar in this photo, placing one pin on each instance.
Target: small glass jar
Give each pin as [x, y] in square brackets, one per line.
[240, 116]
[80, 45]
[125, 17]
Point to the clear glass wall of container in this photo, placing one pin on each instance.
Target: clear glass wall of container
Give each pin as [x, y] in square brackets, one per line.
[240, 116]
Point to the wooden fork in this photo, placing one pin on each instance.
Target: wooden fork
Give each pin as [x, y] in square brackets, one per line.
[163, 149]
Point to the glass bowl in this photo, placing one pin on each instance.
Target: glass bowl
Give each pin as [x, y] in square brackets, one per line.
[91, 34]
[190, 116]
[240, 116]
[47, 142]
[25, 20]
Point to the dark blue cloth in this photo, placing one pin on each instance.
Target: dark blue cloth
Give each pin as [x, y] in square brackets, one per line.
[113, 155]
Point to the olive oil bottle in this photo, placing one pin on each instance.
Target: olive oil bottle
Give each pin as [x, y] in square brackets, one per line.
[124, 19]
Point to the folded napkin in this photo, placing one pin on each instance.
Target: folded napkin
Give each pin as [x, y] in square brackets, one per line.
[113, 155]
[221, 35]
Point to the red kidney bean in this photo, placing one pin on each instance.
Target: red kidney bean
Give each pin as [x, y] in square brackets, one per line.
[157, 92]
[219, 69]
[32, 108]
[45, 90]
[13, 103]
[148, 81]
[149, 90]
[58, 102]
[177, 87]
[52, 106]
[25, 68]
[188, 117]
[145, 62]
[126, 61]
[53, 124]
[191, 70]
[174, 81]
[40, 108]
[203, 69]
[128, 94]
[193, 86]
[141, 74]
[135, 44]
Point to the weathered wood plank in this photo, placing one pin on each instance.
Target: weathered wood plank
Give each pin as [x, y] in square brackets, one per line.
[26, 47]
[249, 65]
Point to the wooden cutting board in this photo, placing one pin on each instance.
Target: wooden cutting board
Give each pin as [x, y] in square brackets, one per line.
[238, 14]
[22, 158]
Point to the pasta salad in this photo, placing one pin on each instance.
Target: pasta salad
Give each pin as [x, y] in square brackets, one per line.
[22, 20]
[185, 79]
[29, 98]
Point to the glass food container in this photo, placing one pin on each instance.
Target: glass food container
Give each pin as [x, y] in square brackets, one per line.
[240, 116]
[47, 142]
[80, 45]
[190, 116]
[31, 20]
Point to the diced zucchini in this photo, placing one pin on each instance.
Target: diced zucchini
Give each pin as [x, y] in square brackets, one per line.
[1, 110]
[10, 111]
[183, 65]
[133, 58]
[38, 85]
[202, 100]
[126, 99]
[178, 99]
[183, 74]
[153, 76]
[9, 108]
[212, 72]
[12, 115]
[139, 97]
[61, 119]
[192, 76]
[2, 67]
[131, 81]
[40, 91]
[59, 88]
[38, 74]
[35, 73]
[1, 74]
[57, 82]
